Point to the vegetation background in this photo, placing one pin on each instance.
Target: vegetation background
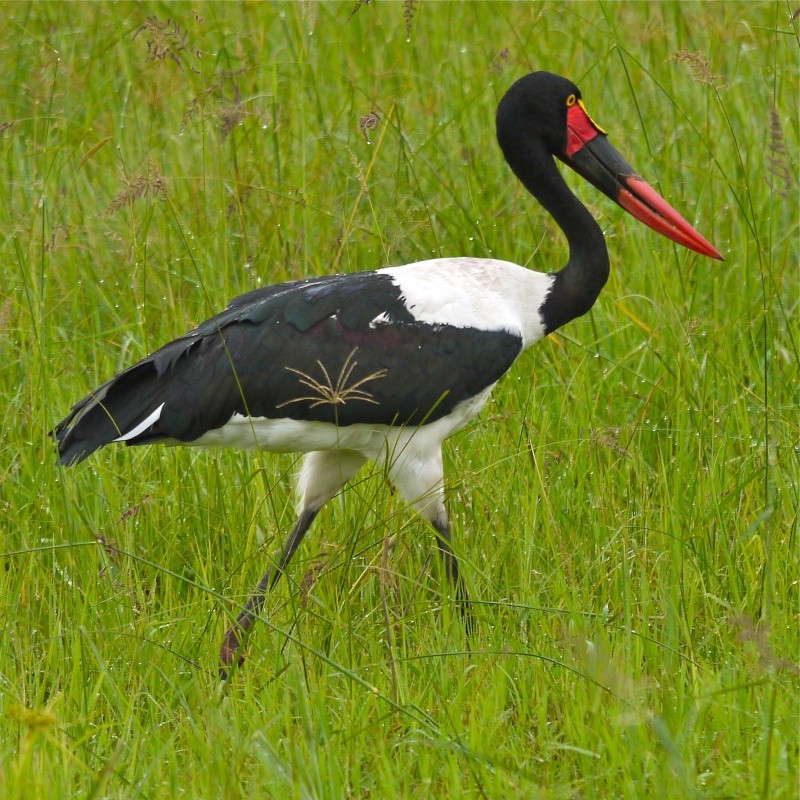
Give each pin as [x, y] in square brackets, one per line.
[625, 509]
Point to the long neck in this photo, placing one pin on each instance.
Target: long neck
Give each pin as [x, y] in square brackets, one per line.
[577, 285]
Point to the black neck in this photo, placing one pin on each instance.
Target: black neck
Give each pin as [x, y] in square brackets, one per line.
[578, 284]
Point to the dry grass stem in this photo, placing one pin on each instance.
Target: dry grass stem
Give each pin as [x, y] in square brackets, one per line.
[699, 66]
[781, 178]
[167, 41]
[149, 182]
[369, 122]
[357, 7]
[759, 634]
[339, 393]
[409, 12]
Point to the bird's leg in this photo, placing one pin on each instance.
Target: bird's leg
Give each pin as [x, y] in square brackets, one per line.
[441, 525]
[322, 476]
[418, 475]
[238, 631]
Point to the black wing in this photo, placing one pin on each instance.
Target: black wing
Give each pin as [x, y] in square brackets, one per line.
[342, 349]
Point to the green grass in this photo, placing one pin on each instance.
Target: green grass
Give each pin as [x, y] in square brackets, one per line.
[625, 509]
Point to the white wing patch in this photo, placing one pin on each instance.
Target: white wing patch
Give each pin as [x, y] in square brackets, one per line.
[141, 427]
[379, 320]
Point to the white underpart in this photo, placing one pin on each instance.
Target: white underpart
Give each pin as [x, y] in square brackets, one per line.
[300, 436]
[142, 426]
[481, 293]
[412, 455]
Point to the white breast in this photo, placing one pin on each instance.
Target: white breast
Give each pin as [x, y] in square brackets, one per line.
[481, 293]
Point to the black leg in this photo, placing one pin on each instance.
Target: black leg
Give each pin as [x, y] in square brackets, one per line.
[443, 537]
[238, 631]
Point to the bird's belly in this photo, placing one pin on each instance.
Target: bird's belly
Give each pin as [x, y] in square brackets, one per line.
[287, 435]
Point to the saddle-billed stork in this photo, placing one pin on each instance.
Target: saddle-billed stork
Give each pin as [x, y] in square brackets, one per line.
[381, 365]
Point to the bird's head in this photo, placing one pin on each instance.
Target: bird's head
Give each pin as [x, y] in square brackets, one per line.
[545, 112]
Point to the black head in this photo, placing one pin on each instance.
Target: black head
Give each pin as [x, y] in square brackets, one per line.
[541, 116]
[535, 107]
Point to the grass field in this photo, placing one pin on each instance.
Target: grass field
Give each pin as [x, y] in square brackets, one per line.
[625, 508]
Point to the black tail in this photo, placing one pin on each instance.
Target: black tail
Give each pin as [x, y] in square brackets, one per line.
[175, 394]
[113, 410]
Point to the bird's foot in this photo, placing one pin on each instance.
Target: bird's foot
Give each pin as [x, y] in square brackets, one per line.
[229, 648]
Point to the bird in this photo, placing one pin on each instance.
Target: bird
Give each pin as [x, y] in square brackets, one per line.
[383, 365]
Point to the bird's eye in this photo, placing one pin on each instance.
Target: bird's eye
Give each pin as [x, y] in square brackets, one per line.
[571, 100]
